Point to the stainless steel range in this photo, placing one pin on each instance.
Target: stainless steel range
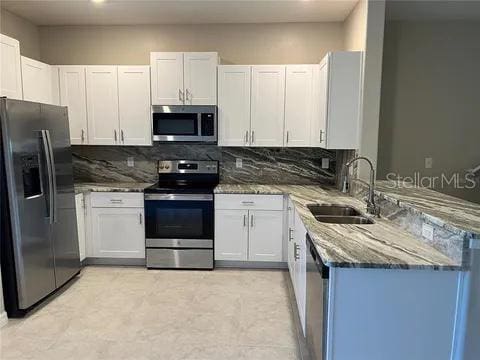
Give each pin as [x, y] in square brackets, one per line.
[179, 215]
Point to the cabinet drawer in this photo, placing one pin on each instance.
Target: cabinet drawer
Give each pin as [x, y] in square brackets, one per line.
[117, 199]
[241, 201]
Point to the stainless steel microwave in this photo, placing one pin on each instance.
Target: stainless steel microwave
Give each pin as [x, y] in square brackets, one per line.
[184, 123]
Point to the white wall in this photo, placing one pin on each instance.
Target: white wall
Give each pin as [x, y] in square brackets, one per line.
[22, 30]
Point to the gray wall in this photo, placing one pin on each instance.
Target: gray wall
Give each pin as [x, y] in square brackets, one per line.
[236, 43]
[430, 103]
[24, 31]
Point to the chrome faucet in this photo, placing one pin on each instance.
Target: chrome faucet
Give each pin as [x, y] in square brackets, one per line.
[372, 208]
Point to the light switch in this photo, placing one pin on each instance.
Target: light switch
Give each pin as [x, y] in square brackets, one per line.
[238, 163]
[428, 163]
[325, 163]
[130, 161]
[427, 231]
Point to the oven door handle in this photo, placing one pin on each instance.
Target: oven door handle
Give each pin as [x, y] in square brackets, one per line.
[179, 197]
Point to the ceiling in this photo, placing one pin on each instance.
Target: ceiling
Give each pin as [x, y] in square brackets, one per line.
[129, 12]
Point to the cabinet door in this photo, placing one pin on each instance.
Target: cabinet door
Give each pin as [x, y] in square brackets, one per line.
[36, 81]
[231, 235]
[200, 70]
[268, 105]
[233, 105]
[167, 78]
[134, 105]
[118, 232]
[265, 240]
[10, 68]
[102, 105]
[299, 107]
[80, 210]
[300, 268]
[291, 241]
[73, 95]
[319, 123]
[55, 81]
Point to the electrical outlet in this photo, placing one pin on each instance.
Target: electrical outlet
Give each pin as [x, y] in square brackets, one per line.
[427, 231]
[130, 161]
[428, 163]
[325, 163]
[239, 163]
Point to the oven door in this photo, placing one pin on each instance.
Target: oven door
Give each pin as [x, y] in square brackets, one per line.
[179, 220]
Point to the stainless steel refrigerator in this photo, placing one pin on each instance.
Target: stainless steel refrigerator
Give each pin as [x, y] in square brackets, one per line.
[39, 244]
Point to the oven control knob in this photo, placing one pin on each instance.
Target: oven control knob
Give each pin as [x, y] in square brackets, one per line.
[167, 167]
[161, 166]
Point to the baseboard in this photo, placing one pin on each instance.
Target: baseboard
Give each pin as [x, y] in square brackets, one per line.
[114, 261]
[3, 319]
[251, 264]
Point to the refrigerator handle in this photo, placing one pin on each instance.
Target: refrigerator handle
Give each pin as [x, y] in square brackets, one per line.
[49, 174]
[53, 193]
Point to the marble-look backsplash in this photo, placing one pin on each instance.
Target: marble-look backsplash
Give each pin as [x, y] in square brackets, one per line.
[260, 165]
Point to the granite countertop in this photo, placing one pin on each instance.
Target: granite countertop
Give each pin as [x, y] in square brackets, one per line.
[456, 214]
[378, 245]
[111, 187]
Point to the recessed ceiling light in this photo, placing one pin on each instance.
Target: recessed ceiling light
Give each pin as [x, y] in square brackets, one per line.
[97, 1]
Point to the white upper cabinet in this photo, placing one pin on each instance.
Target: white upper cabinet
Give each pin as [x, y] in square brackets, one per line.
[102, 105]
[233, 105]
[299, 106]
[268, 105]
[167, 78]
[134, 105]
[73, 95]
[184, 78]
[55, 81]
[10, 68]
[36, 81]
[336, 125]
[200, 78]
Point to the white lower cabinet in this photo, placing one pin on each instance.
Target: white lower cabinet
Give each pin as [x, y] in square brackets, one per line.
[250, 229]
[80, 210]
[231, 235]
[297, 260]
[117, 225]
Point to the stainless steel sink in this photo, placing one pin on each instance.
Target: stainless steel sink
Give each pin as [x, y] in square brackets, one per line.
[361, 220]
[338, 214]
[332, 210]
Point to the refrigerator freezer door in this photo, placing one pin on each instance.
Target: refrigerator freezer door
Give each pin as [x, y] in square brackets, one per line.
[64, 228]
[28, 194]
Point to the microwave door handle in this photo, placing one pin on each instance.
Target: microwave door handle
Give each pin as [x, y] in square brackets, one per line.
[54, 176]
[49, 175]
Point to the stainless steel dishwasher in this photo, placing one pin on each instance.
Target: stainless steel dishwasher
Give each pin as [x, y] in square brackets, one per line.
[317, 303]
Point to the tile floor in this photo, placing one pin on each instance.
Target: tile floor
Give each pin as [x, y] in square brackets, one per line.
[132, 313]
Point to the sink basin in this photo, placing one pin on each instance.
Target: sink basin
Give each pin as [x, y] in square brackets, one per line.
[332, 210]
[360, 220]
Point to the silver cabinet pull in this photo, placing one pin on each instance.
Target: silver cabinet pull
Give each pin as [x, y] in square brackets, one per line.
[180, 96]
[116, 201]
[321, 135]
[248, 202]
[115, 135]
[251, 221]
[244, 220]
[253, 136]
[290, 232]
[83, 136]
[288, 135]
[188, 95]
[296, 255]
[122, 136]
[246, 137]
[140, 216]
